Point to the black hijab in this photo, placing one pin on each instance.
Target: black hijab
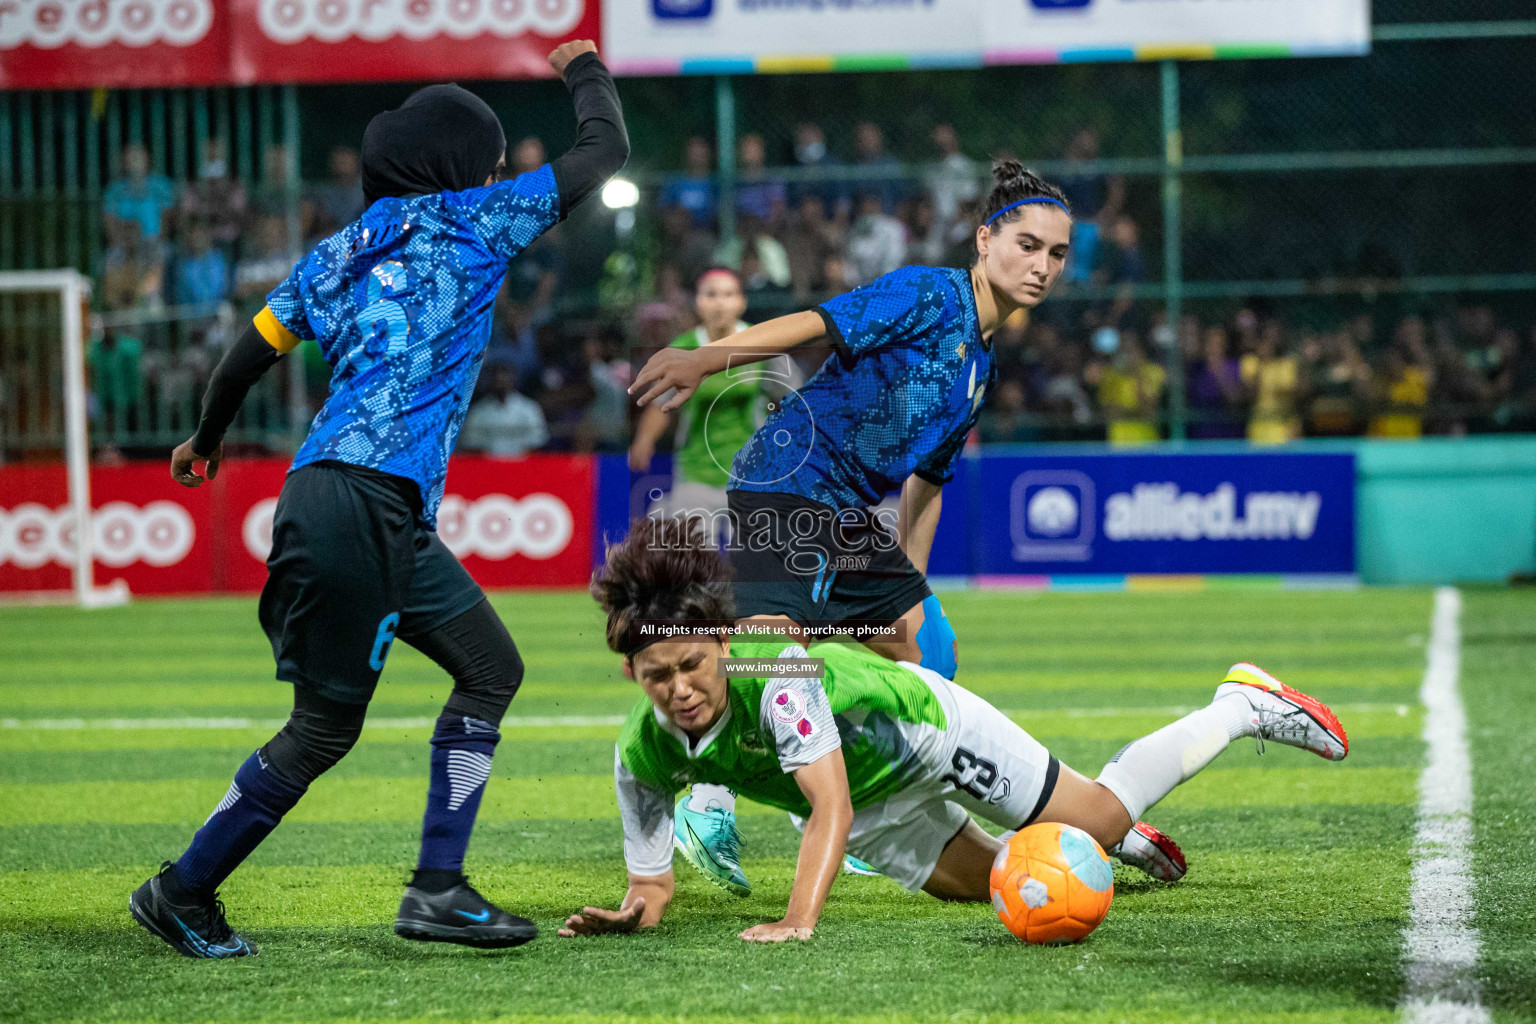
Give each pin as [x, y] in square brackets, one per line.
[442, 139]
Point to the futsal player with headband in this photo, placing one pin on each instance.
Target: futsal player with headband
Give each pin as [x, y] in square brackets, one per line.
[890, 410]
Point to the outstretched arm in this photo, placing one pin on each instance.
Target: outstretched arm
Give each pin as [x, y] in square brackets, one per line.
[825, 785]
[252, 354]
[602, 144]
[684, 370]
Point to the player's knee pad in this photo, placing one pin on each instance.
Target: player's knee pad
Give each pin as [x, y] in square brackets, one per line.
[936, 639]
[319, 733]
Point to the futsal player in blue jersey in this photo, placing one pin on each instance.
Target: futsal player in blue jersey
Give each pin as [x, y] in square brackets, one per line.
[891, 409]
[400, 303]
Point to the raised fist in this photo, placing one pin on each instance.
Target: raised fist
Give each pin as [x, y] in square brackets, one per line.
[567, 52]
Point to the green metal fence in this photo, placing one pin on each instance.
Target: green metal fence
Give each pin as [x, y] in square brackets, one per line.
[1392, 183]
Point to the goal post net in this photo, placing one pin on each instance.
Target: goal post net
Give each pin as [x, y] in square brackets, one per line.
[67, 292]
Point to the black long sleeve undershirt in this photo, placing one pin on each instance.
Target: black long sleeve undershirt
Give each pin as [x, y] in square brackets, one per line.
[242, 366]
[602, 144]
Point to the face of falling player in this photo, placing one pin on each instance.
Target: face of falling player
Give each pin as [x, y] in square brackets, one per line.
[682, 677]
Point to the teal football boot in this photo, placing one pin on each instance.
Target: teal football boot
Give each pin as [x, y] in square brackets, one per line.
[709, 841]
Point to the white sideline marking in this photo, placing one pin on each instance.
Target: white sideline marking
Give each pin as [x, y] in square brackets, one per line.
[1442, 945]
[558, 721]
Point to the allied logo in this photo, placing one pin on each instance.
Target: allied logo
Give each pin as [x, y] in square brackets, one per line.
[1052, 516]
[1052, 512]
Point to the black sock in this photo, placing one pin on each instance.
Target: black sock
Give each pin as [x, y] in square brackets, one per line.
[436, 879]
[171, 885]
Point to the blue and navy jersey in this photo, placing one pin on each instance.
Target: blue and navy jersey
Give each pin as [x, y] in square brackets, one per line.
[899, 397]
[400, 303]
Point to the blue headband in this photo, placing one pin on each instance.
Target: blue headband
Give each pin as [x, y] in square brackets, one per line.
[1026, 202]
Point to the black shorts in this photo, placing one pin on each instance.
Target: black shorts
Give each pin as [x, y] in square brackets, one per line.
[351, 569]
[797, 557]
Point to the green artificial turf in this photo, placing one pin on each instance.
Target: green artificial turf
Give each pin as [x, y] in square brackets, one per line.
[1293, 909]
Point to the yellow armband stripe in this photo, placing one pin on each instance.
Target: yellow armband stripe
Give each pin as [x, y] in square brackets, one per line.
[278, 336]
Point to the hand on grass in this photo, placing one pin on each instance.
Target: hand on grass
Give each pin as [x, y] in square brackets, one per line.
[183, 458]
[778, 931]
[597, 921]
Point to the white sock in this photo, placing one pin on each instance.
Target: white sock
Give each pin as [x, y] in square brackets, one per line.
[703, 794]
[1146, 770]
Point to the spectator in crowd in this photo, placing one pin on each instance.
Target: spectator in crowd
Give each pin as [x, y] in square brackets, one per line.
[759, 257]
[133, 272]
[514, 339]
[883, 172]
[685, 245]
[1341, 383]
[757, 193]
[1130, 389]
[1064, 396]
[1215, 385]
[810, 238]
[812, 156]
[877, 242]
[503, 422]
[215, 198]
[270, 198]
[267, 259]
[926, 240]
[952, 181]
[201, 274]
[1402, 387]
[1096, 200]
[528, 155]
[694, 190]
[117, 382]
[139, 196]
[331, 206]
[1274, 383]
[836, 277]
[1121, 266]
[1004, 421]
[605, 427]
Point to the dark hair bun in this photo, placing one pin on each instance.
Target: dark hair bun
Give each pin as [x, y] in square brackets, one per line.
[1006, 171]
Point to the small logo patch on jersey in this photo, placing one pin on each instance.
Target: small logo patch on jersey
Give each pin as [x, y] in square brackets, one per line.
[970, 389]
[960, 351]
[805, 728]
[788, 707]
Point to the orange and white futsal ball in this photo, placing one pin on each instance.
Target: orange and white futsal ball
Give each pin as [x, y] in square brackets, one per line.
[1052, 884]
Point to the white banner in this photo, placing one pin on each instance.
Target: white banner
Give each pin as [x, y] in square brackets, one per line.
[669, 36]
[1034, 31]
[744, 36]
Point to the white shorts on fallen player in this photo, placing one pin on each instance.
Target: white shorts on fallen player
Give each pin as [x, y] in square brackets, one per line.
[982, 762]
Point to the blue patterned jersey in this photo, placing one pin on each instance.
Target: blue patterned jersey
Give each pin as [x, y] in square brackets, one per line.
[400, 302]
[900, 396]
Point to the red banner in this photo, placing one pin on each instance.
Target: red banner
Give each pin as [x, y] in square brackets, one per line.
[513, 522]
[366, 40]
[77, 44]
[82, 44]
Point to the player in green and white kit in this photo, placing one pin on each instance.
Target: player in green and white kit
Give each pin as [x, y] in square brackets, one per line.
[885, 759]
[716, 420]
[713, 424]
